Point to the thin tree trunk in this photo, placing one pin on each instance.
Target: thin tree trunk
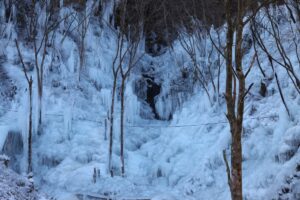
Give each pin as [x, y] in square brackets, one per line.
[81, 56]
[122, 127]
[105, 129]
[237, 125]
[29, 81]
[229, 72]
[38, 74]
[112, 126]
[29, 170]
[235, 110]
[236, 154]
[41, 84]
[40, 115]
[219, 74]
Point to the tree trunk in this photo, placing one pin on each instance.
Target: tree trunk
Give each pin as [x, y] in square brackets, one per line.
[81, 51]
[39, 74]
[122, 127]
[235, 110]
[42, 82]
[40, 110]
[105, 129]
[112, 126]
[29, 141]
[236, 159]
[29, 170]
[39, 90]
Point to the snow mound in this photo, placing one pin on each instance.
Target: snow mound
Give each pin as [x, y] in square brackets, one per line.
[16, 187]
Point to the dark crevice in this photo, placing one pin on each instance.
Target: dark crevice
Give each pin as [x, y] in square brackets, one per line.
[153, 89]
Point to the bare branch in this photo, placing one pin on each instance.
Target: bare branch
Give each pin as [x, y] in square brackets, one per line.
[22, 61]
[227, 168]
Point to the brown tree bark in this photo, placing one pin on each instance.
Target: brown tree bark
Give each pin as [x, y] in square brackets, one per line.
[236, 148]
[235, 107]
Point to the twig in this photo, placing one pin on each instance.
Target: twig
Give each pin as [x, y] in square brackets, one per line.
[227, 168]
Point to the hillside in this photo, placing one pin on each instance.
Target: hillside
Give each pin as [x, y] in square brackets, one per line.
[175, 124]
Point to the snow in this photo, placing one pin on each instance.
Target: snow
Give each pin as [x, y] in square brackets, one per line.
[16, 187]
[164, 197]
[165, 160]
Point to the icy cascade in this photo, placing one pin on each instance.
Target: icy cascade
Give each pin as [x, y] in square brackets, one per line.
[183, 157]
[163, 85]
[7, 88]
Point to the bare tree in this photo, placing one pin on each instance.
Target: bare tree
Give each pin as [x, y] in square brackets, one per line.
[78, 25]
[82, 32]
[117, 59]
[39, 34]
[125, 72]
[126, 57]
[191, 43]
[235, 76]
[83, 25]
[235, 119]
[115, 72]
[196, 37]
[282, 59]
[296, 6]
[29, 82]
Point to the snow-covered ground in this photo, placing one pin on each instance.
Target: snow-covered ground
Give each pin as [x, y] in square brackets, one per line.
[14, 186]
[165, 160]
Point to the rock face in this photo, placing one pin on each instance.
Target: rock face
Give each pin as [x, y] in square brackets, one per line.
[13, 147]
[146, 90]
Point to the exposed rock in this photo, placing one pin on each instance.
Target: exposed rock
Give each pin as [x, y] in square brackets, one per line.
[13, 147]
[147, 89]
[263, 89]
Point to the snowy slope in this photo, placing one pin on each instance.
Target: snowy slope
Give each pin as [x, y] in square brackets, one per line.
[177, 159]
[16, 187]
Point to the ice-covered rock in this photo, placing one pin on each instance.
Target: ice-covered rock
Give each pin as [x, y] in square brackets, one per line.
[14, 148]
[290, 144]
